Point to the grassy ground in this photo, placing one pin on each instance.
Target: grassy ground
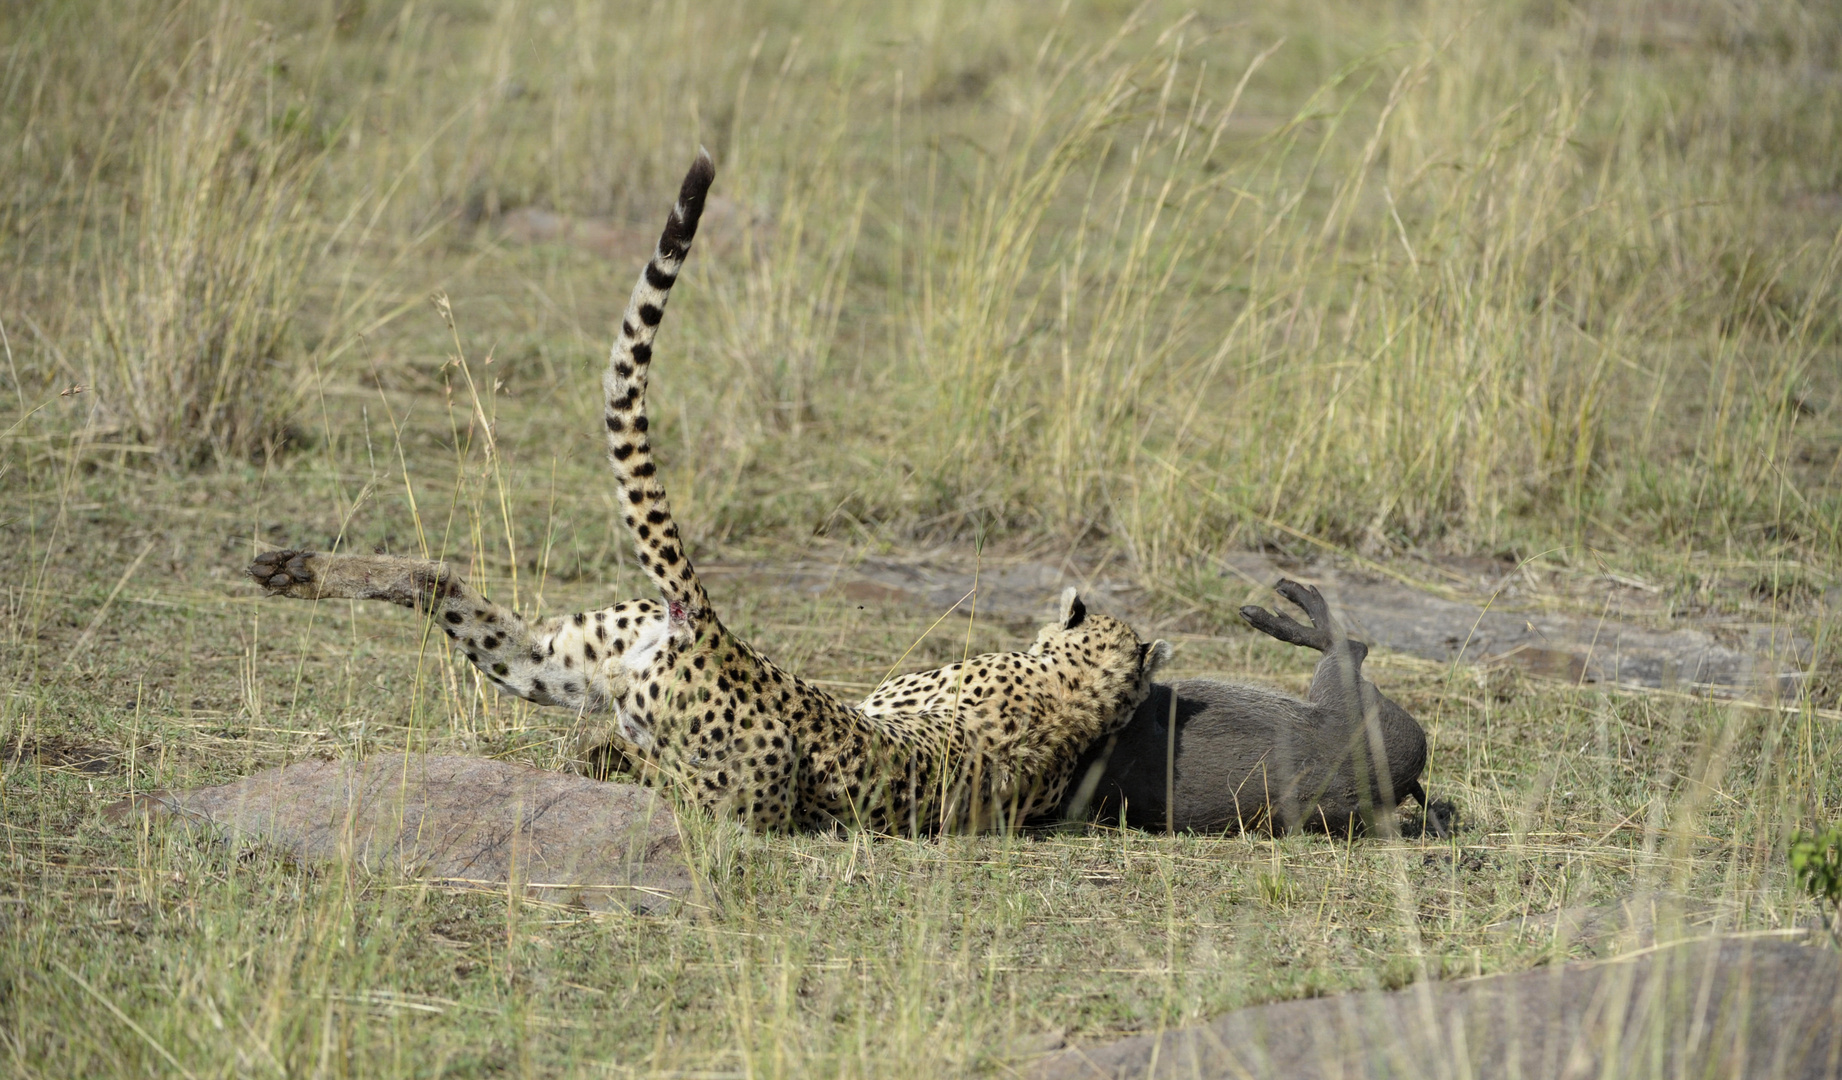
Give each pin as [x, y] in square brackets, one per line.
[1546, 279]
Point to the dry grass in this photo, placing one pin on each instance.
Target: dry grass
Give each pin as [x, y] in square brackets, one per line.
[206, 271]
[1541, 278]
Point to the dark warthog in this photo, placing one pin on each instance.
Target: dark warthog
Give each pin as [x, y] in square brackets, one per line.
[1245, 757]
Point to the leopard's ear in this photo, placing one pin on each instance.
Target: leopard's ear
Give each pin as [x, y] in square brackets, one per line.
[1157, 654]
[1074, 612]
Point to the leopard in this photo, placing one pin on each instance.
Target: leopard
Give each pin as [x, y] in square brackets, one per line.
[664, 688]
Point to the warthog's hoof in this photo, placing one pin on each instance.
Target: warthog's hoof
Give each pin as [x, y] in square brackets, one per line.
[1438, 819]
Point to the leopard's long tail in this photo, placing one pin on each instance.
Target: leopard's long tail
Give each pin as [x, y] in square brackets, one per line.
[648, 514]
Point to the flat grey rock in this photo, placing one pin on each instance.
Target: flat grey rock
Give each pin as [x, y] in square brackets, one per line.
[1566, 647]
[1722, 658]
[1751, 1007]
[470, 822]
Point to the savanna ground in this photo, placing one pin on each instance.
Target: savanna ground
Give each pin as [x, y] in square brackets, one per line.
[1098, 282]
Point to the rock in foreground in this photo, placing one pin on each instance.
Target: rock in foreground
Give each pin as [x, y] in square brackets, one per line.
[462, 821]
[1748, 1007]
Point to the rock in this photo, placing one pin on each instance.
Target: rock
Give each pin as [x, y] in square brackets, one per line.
[1485, 627]
[1570, 647]
[1736, 1006]
[468, 822]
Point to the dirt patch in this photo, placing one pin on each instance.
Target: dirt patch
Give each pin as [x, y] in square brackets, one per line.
[1636, 922]
[1751, 1006]
[530, 225]
[1728, 658]
[1481, 621]
[52, 752]
[1019, 591]
[461, 821]
[723, 220]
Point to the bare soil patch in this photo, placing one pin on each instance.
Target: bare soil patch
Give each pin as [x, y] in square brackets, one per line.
[1491, 617]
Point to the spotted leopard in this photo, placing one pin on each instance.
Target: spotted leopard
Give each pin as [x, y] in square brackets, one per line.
[665, 685]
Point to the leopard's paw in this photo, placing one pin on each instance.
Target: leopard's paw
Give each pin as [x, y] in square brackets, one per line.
[283, 572]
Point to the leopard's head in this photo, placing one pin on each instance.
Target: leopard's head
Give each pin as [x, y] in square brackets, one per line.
[1106, 643]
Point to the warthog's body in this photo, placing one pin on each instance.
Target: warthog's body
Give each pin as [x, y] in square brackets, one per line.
[1246, 757]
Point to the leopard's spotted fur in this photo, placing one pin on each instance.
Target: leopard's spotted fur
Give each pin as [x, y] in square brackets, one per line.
[986, 742]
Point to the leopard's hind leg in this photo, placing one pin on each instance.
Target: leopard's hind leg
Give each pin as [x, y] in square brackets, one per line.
[555, 662]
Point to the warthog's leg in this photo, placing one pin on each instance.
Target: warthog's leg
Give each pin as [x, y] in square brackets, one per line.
[1339, 689]
[1284, 627]
[1350, 703]
[1336, 685]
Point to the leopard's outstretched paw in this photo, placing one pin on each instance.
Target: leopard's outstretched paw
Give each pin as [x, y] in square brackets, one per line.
[280, 571]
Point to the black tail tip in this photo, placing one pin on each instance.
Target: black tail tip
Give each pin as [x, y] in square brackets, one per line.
[697, 182]
[681, 226]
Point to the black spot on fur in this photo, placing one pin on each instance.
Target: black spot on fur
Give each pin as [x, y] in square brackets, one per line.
[650, 314]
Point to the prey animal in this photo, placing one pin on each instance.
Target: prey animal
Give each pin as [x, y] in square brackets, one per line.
[1210, 756]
